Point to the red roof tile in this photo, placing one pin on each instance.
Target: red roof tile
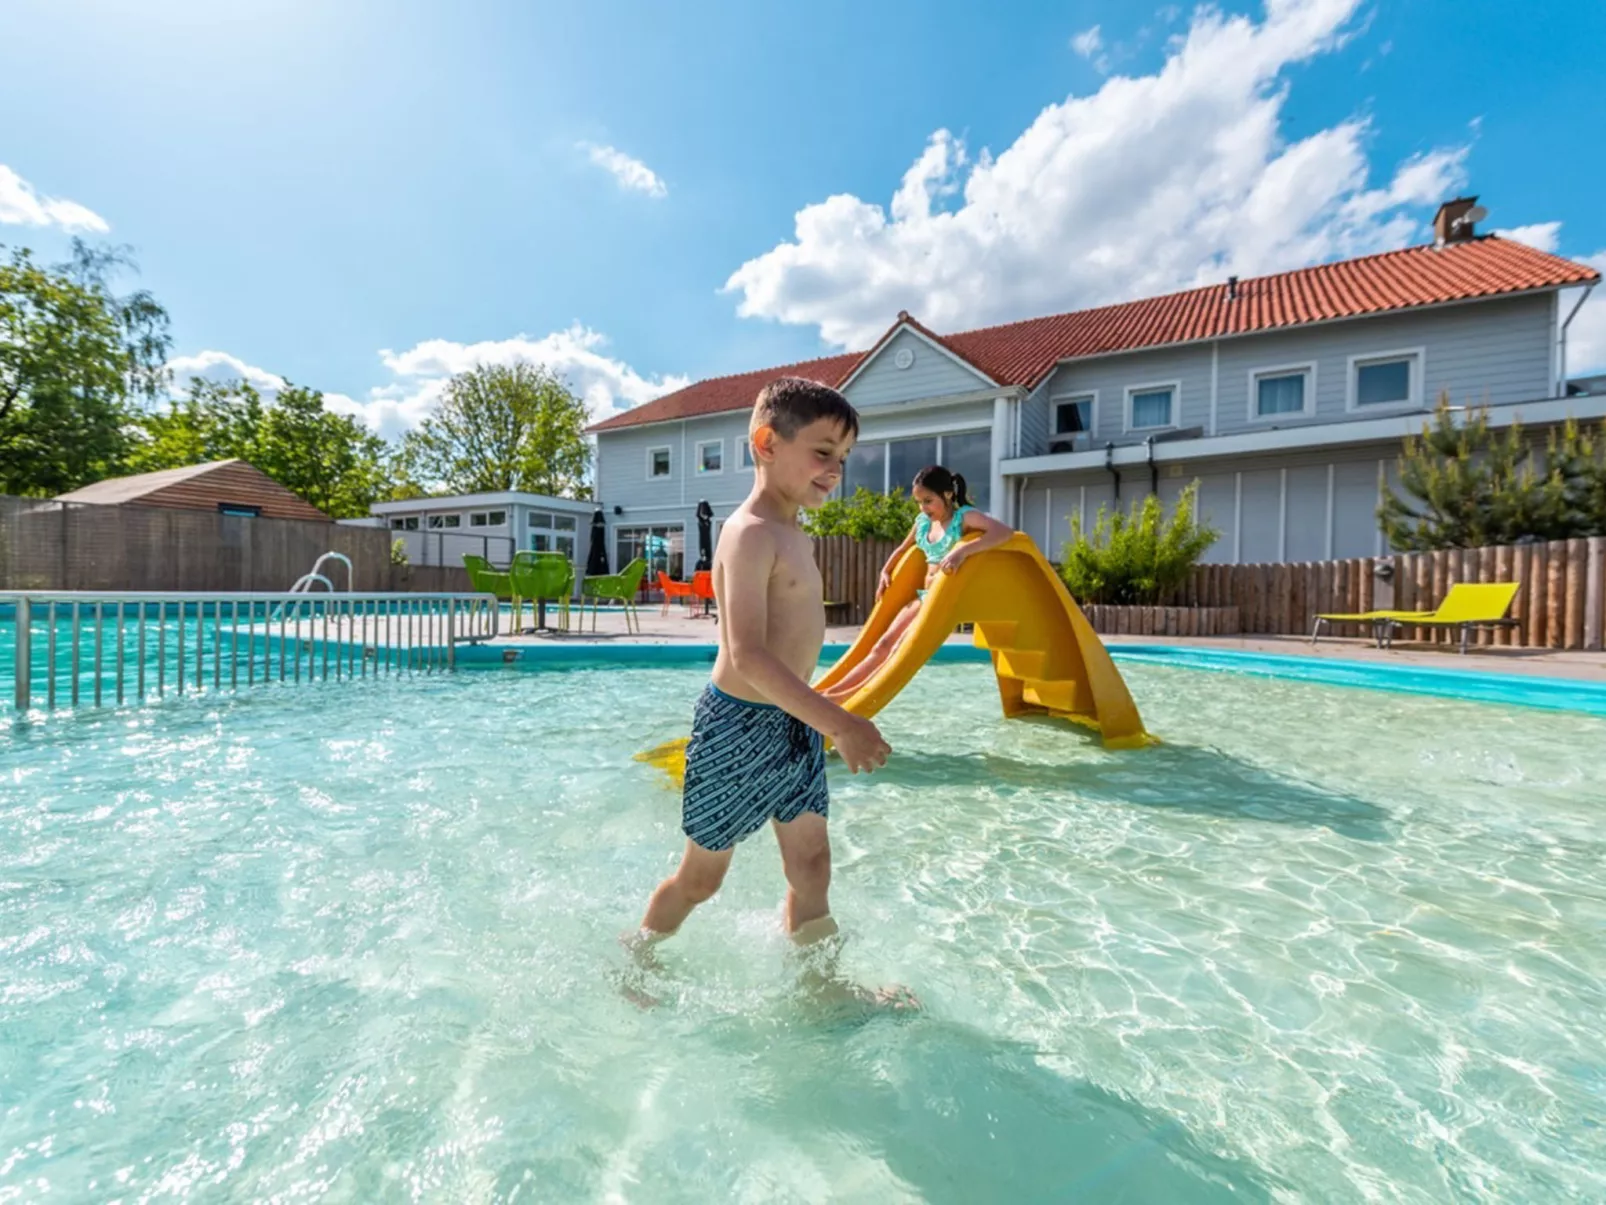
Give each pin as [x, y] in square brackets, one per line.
[720, 394]
[1023, 353]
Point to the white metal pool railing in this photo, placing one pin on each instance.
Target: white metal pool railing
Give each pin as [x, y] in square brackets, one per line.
[304, 583]
[296, 635]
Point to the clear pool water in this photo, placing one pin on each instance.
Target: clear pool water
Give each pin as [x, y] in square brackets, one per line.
[357, 943]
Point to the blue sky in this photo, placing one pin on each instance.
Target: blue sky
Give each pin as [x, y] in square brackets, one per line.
[366, 196]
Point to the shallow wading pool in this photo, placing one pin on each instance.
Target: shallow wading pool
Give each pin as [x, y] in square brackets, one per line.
[358, 943]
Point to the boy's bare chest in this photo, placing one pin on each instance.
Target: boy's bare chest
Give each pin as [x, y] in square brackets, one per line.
[795, 573]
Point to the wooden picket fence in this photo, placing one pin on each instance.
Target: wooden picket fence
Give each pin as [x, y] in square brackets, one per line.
[850, 569]
[1561, 603]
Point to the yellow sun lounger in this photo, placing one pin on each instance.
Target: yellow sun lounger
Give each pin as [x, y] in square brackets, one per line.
[1465, 607]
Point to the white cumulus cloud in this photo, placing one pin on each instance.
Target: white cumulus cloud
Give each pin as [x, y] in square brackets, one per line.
[576, 354]
[1150, 184]
[417, 377]
[632, 174]
[220, 366]
[21, 205]
[1543, 236]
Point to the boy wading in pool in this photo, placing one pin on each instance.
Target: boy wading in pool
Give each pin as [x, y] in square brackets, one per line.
[757, 751]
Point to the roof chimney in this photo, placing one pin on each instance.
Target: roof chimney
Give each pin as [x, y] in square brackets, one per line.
[1232, 288]
[1455, 222]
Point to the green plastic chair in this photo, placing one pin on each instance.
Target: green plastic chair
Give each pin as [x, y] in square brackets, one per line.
[541, 577]
[486, 580]
[620, 587]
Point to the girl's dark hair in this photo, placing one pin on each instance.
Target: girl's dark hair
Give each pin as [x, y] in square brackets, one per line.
[943, 483]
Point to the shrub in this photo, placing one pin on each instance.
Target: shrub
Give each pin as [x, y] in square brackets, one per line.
[398, 552]
[864, 516]
[1464, 484]
[1136, 558]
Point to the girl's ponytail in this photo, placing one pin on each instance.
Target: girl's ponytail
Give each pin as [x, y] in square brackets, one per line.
[943, 483]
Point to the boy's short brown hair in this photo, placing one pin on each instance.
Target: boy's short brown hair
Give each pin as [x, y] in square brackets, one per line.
[788, 404]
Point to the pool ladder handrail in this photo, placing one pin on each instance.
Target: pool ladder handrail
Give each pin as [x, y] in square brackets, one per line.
[304, 583]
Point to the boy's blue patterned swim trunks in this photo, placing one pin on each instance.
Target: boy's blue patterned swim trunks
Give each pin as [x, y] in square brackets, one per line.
[746, 764]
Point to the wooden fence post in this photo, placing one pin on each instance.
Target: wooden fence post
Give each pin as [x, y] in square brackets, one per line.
[1555, 595]
[1577, 568]
[1534, 630]
[1595, 594]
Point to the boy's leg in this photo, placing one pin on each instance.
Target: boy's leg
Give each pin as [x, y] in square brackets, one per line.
[695, 880]
[806, 859]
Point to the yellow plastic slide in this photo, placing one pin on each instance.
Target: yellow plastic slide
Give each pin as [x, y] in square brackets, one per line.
[1046, 656]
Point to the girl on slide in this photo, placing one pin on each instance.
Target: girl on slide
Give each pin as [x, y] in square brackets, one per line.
[945, 515]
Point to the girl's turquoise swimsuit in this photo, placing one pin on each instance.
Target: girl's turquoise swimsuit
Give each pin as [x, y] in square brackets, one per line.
[936, 549]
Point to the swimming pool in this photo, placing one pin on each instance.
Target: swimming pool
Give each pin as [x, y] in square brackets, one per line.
[358, 944]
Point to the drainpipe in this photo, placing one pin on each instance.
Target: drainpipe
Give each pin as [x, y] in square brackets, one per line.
[1109, 467]
[1154, 469]
[1561, 389]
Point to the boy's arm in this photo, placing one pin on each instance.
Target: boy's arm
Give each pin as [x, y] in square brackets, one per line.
[748, 565]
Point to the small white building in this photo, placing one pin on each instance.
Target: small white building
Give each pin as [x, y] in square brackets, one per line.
[440, 531]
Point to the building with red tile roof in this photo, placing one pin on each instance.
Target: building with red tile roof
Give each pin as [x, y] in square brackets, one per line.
[1285, 397]
[1024, 353]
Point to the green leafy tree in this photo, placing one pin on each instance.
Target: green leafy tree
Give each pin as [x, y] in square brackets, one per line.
[1466, 485]
[330, 459]
[74, 360]
[1138, 557]
[503, 427]
[864, 516]
[218, 420]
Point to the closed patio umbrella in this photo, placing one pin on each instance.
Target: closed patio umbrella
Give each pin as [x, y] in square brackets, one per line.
[597, 557]
[705, 536]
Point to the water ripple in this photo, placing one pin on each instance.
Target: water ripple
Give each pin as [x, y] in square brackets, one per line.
[358, 944]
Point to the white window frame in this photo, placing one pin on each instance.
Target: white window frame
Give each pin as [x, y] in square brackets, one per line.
[1282, 370]
[710, 443]
[485, 516]
[1059, 399]
[1153, 387]
[1418, 357]
[668, 451]
[438, 522]
[744, 454]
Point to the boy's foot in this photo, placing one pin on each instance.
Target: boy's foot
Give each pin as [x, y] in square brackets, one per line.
[819, 946]
[641, 946]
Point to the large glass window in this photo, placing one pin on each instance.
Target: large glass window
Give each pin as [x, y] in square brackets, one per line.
[663, 547]
[867, 466]
[546, 541]
[711, 456]
[970, 455]
[905, 458]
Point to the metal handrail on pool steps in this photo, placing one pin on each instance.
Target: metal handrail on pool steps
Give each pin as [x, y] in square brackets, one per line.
[353, 634]
[304, 583]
